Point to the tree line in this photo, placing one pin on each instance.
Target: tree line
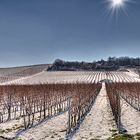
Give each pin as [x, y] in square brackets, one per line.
[112, 63]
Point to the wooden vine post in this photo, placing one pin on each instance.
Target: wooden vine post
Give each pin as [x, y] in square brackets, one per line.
[69, 116]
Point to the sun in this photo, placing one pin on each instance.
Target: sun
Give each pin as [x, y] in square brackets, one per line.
[117, 3]
[116, 6]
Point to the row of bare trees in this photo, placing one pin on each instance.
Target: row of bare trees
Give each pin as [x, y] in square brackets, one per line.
[35, 103]
[130, 92]
[83, 97]
[32, 102]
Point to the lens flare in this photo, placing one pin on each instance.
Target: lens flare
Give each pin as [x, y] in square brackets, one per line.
[117, 3]
[116, 6]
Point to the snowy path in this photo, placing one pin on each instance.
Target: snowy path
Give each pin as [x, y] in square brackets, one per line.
[99, 121]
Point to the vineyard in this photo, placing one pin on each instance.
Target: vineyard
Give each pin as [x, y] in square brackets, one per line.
[68, 105]
[9, 74]
[35, 103]
[74, 77]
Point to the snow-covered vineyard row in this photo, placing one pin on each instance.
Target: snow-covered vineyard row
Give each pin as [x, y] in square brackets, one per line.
[111, 112]
[74, 77]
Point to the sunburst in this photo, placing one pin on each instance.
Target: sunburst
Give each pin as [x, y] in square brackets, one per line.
[116, 5]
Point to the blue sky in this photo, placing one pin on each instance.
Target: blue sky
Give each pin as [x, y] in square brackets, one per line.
[40, 31]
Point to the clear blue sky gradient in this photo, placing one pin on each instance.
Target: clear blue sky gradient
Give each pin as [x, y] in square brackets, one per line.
[40, 31]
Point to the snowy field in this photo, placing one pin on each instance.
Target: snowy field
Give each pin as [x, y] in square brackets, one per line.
[73, 77]
[9, 74]
[99, 122]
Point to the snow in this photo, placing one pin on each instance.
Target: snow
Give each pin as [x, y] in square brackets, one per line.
[52, 129]
[130, 118]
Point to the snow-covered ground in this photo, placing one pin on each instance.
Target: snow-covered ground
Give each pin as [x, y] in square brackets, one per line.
[130, 118]
[52, 129]
[133, 74]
